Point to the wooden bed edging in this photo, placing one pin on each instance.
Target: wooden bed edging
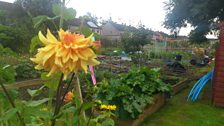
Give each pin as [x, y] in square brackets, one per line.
[176, 88]
[180, 86]
[159, 101]
[26, 83]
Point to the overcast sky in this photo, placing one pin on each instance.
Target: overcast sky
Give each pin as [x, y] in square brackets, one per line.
[150, 12]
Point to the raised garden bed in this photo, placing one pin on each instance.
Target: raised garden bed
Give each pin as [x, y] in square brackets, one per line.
[159, 101]
[180, 85]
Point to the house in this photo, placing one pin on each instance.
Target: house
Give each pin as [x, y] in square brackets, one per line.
[112, 31]
[159, 36]
[74, 25]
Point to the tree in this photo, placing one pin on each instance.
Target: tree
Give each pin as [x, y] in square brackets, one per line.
[15, 27]
[38, 7]
[203, 15]
[134, 39]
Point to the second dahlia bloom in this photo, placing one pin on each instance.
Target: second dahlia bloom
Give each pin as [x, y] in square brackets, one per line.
[67, 54]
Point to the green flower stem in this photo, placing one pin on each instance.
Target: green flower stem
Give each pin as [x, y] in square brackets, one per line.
[62, 14]
[12, 103]
[60, 97]
[79, 91]
[59, 88]
[66, 91]
[49, 105]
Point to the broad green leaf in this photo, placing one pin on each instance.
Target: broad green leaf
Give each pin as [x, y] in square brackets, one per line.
[86, 31]
[52, 81]
[86, 105]
[36, 92]
[69, 13]
[34, 43]
[43, 114]
[56, 9]
[69, 110]
[108, 122]
[32, 93]
[10, 113]
[37, 21]
[37, 102]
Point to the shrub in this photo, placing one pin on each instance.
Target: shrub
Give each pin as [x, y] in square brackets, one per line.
[25, 70]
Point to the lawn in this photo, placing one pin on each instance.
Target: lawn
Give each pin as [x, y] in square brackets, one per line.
[178, 112]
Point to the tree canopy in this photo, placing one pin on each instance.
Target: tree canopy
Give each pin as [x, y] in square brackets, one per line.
[203, 15]
[38, 7]
[135, 38]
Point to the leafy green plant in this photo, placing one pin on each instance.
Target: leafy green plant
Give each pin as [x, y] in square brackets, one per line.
[132, 91]
[25, 70]
[7, 74]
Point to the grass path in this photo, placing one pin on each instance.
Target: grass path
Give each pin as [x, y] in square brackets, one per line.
[177, 112]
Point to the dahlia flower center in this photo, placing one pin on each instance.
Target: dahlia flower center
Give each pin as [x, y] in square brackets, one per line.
[68, 39]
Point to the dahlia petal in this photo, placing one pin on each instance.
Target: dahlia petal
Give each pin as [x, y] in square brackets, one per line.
[48, 55]
[51, 37]
[84, 65]
[81, 56]
[71, 65]
[60, 32]
[60, 52]
[74, 57]
[66, 57]
[93, 62]
[58, 61]
[88, 52]
[46, 48]
[53, 70]
[43, 39]
[38, 67]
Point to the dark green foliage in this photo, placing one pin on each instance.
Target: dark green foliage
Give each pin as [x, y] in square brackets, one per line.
[7, 74]
[25, 70]
[16, 38]
[6, 51]
[134, 40]
[37, 7]
[201, 14]
[131, 92]
[15, 30]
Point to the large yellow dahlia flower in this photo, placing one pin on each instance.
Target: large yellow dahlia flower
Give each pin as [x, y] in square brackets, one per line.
[68, 54]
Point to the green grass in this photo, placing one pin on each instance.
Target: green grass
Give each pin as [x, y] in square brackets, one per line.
[177, 112]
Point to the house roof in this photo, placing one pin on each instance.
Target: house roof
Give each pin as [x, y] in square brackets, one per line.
[77, 22]
[74, 22]
[119, 27]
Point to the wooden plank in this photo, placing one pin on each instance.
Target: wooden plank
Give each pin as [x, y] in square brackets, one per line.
[26, 83]
[179, 86]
